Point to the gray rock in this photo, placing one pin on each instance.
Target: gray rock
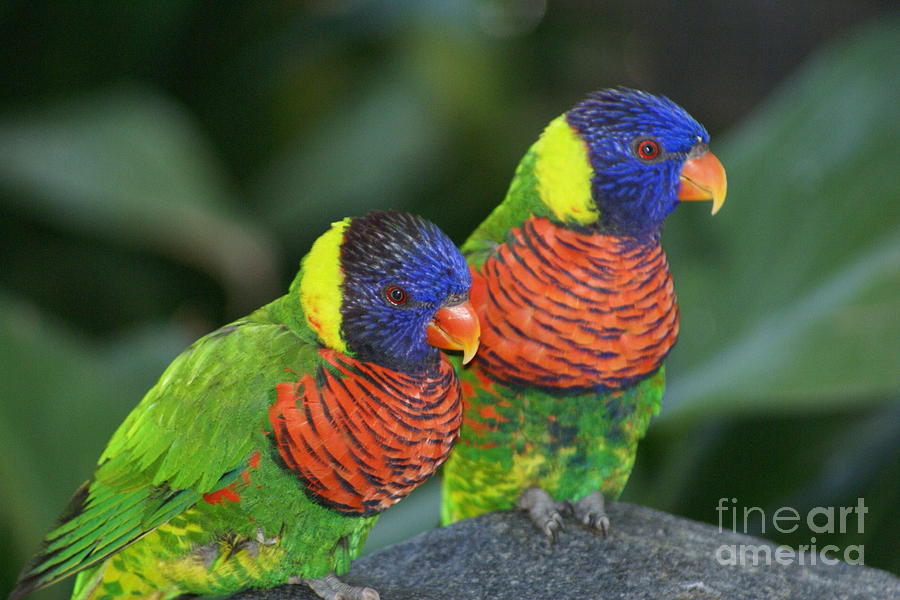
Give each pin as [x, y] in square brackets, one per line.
[648, 555]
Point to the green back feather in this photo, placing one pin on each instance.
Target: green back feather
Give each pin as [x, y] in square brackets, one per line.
[192, 434]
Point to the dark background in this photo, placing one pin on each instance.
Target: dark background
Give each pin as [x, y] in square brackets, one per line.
[164, 165]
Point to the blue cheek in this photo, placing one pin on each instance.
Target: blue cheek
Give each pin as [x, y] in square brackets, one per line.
[401, 332]
[639, 197]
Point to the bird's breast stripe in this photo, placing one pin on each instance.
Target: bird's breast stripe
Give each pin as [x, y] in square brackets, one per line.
[573, 310]
[365, 436]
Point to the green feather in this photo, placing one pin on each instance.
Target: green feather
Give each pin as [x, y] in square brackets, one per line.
[193, 494]
[192, 434]
[515, 437]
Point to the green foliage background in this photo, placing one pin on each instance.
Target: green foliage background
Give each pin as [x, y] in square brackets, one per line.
[164, 165]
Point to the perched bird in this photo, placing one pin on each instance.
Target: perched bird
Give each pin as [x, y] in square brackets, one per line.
[267, 449]
[577, 310]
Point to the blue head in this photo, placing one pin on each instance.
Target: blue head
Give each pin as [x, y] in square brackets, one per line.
[638, 144]
[400, 274]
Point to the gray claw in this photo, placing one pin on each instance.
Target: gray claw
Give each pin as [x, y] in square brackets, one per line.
[332, 588]
[543, 510]
[262, 539]
[590, 511]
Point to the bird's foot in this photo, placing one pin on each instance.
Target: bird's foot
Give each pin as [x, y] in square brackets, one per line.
[262, 539]
[206, 554]
[543, 510]
[590, 511]
[252, 546]
[332, 588]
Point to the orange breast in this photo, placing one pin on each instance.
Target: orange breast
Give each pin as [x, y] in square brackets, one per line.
[364, 436]
[572, 311]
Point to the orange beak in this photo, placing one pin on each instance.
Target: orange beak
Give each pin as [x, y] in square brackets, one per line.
[455, 328]
[703, 178]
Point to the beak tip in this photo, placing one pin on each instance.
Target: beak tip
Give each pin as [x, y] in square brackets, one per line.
[469, 354]
[704, 178]
[456, 328]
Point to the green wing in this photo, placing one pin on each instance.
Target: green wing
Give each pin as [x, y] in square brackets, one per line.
[191, 434]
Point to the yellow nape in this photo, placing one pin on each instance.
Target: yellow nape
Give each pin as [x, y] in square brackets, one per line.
[563, 171]
[320, 287]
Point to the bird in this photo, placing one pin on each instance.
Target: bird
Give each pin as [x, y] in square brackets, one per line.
[577, 309]
[267, 449]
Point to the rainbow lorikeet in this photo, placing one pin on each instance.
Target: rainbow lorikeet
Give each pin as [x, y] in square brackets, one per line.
[268, 448]
[577, 310]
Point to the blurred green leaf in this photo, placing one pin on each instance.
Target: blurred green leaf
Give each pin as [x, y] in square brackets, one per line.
[417, 512]
[797, 306]
[59, 391]
[369, 154]
[129, 165]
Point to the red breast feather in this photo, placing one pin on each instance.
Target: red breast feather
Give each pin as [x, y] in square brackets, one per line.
[571, 310]
[365, 438]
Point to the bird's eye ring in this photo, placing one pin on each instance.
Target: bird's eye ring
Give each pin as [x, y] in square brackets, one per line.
[648, 149]
[396, 295]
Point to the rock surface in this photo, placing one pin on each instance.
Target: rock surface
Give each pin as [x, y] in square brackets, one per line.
[648, 555]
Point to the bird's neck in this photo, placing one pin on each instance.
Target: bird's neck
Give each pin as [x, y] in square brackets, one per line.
[572, 310]
[423, 361]
[360, 437]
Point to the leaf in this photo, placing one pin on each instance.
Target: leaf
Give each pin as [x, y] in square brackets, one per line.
[128, 165]
[796, 306]
[59, 391]
[357, 160]
[416, 513]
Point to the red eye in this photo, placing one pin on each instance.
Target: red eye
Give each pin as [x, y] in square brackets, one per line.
[648, 149]
[395, 295]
